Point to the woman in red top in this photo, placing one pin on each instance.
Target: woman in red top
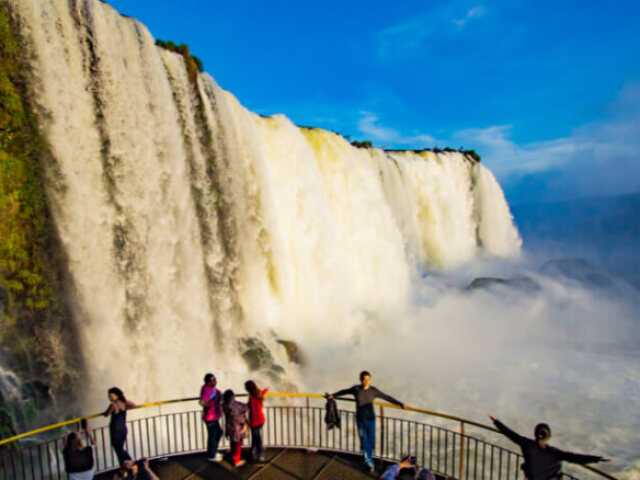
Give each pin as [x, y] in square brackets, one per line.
[256, 418]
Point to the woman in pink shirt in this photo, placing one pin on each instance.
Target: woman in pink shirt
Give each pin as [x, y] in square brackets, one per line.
[210, 398]
[256, 418]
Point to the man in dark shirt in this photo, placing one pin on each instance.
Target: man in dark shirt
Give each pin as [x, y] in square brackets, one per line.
[542, 461]
[365, 395]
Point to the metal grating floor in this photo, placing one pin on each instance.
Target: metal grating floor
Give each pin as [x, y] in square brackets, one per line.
[281, 464]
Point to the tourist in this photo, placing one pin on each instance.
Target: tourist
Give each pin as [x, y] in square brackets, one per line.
[127, 471]
[235, 414]
[408, 462]
[256, 418]
[79, 460]
[365, 394]
[542, 461]
[118, 422]
[210, 399]
[143, 471]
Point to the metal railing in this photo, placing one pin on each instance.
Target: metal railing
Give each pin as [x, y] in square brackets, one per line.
[291, 421]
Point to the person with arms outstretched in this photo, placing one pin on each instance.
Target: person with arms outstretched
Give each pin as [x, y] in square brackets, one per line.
[365, 394]
[542, 461]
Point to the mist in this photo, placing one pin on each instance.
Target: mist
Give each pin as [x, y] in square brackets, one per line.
[551, 336]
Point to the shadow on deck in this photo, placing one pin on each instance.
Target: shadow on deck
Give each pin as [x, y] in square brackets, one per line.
[280, 464]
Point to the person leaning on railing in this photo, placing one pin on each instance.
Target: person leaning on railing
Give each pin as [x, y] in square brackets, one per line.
[118, 422]
[256, 418]
[365, 394]
[542, 461]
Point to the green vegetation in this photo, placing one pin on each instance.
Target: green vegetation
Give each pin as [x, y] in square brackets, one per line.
[471, 153]
[365, 144]
[256, 354]
[33, 320]
[193, 63]
[24, 288]
[24, 225]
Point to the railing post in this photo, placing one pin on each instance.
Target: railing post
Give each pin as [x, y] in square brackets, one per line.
[381, 431]
[462, 453]
[308, 414]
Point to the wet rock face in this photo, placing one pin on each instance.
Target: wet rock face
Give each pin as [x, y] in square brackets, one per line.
[39, 393]
[4, 301]
[293, 351]
[11, 415]
[256, 354]
[259, 358]
[521, 283]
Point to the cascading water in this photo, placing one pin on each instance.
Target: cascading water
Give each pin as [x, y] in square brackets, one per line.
[190, 222]
[195, 229]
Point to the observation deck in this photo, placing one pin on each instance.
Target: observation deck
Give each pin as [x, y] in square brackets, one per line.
[298, 444]
[280, 463]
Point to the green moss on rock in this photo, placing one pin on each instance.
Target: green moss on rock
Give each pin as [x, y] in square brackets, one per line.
[256, 354]
[33, 319]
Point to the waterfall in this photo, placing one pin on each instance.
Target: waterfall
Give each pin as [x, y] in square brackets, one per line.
[190, 222]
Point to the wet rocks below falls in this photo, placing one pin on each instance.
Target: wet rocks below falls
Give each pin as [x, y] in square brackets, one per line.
[258, 357]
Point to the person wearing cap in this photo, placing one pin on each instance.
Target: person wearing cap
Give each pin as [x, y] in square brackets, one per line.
[365, 394]
[210, 398]
[542, 461]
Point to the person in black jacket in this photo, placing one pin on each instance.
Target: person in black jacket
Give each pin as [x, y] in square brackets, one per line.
[365, 394]
[79, 460]
[542, 461]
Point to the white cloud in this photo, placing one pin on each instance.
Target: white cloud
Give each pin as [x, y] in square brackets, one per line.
[506, 157]
[598, 158]
[475, 12]
[388, 137]
[413, 34]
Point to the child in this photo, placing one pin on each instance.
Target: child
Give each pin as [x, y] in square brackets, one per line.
[236, 424]
[256, 418]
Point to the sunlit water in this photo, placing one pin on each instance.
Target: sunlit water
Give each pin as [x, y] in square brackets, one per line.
[191, 224]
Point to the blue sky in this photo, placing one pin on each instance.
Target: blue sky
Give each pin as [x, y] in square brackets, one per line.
[547, 92]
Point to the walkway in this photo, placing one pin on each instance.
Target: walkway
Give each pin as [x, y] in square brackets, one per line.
[281, 464]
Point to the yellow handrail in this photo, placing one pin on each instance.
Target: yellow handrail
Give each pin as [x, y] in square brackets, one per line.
[88, 417]
[281, 394]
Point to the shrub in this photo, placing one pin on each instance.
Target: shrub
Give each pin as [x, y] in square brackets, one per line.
[365, 144]
[193, 63]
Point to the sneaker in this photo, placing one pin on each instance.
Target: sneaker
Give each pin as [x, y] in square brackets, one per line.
[240, 463]
[215, 459]
[219, 457]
